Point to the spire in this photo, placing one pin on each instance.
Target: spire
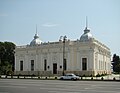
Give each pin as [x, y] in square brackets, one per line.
[86, 36]
[86, 28]
[86, 22]
[36, 29]
[36, 34]
[36, 40]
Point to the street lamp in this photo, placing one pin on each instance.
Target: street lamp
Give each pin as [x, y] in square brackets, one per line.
[64, 39]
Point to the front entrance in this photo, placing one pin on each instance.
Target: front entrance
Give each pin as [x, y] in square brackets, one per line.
[54, 68]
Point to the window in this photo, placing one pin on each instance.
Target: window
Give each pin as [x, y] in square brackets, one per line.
[32, 65]
[65, 64]
[21, 65]
[45, 65]
[84, 63]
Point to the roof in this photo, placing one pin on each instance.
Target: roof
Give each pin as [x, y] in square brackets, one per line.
[35, 41]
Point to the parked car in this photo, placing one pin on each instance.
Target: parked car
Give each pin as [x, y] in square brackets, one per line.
[69, 76]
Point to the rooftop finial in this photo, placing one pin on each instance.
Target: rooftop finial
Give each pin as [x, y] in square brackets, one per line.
[36, 29]
[36, 34]
[86, 28]
[86, 22]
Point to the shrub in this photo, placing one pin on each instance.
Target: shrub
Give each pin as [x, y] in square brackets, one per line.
[102, 78]
[84, 75]
[19, 75]
[81, 78]
[91, 75]
[55, 77]
[98, 75]
[33, 75]
[114, 78]
[91, 78]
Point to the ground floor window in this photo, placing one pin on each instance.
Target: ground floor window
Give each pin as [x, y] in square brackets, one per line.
[84, 63]
[32, 65]
[54, 68]
[21, 65]
[65, 64]
[45, 65]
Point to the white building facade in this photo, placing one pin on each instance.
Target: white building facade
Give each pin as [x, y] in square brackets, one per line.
[85, 56]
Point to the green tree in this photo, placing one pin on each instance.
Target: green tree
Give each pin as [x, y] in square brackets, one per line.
[117, 68]
[6, 68]
[6, 57]
[116, 63]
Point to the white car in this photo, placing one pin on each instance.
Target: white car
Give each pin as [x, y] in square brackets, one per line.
[69, 76]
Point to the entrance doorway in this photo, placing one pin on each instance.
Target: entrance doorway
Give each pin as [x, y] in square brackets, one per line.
[54, 68]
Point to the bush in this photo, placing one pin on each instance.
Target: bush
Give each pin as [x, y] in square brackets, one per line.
[55, 77]
[11, 76]
[84, 75]
[19, 75]
[114, 78]
[91, 75]
[91, 78]
[98, 75]
[102, 78]
[33, 75]
[81, 78]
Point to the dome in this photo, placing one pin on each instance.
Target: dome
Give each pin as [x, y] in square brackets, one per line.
[86, 36]
[35, 41]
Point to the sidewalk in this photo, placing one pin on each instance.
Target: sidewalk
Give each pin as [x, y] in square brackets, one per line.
[107, 77]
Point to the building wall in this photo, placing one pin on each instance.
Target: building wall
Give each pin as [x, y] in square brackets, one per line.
[97, 54]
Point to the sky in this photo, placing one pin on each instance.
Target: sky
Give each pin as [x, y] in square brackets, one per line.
[55, 18]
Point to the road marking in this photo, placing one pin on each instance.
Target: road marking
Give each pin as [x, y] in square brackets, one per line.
[62, 92]
[12, 87]
[88, 88]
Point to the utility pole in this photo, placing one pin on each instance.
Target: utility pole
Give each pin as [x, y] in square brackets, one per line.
[64, 39]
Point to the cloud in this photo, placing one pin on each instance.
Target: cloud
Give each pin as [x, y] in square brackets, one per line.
[3, 15]
[49, 25]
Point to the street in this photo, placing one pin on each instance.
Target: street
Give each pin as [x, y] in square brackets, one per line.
[57, 86]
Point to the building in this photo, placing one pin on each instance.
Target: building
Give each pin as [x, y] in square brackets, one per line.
[85, 56]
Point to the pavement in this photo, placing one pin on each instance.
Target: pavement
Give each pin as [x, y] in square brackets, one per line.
[107, 77]
[57, 86]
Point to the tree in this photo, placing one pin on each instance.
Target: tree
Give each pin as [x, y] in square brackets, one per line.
[6, 57]
[116, 63]
[117, 68]
[6, 68]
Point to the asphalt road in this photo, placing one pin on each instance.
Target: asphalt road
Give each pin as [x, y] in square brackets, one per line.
[57, 86]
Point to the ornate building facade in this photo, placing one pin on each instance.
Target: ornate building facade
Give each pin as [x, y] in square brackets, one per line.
[85, 56]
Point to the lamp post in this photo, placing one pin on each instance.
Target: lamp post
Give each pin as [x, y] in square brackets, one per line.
[64, 39]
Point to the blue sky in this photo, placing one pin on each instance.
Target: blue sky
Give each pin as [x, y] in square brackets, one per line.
[18, 19]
